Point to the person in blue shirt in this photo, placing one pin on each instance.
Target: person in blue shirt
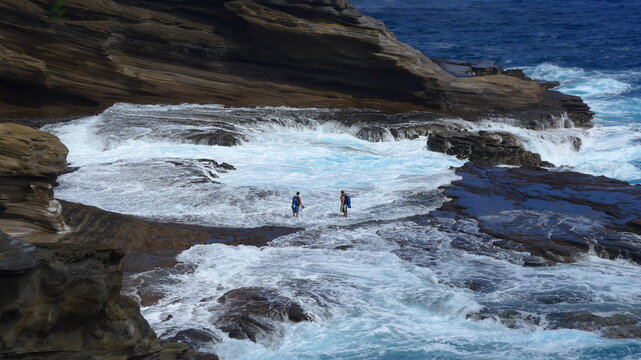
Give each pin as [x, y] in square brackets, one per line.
[297, 204]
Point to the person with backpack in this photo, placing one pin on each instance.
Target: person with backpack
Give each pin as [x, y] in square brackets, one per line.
[297, 204]
[346, 202]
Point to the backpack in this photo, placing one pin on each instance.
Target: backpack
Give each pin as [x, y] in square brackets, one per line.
[348, 201]
[295, 201]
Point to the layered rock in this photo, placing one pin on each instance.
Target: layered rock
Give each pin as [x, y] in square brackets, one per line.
[491, 148]
[237, 52]
[30, 161]
[555, 216]
[64, 302]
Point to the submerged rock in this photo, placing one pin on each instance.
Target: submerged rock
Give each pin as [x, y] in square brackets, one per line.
[214, 137]
[556, 216]
[255, 313]
[615, 326]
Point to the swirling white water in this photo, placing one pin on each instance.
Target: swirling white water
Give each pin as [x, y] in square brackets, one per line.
[400, 290]
[613, 146]
[126, 166]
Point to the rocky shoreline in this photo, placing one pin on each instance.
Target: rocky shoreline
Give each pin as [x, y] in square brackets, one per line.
[268, 53]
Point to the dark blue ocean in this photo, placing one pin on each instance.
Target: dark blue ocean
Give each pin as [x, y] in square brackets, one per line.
[593, 47]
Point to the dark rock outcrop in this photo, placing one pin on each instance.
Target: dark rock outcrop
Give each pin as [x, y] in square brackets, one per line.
[30, 161]
[557, 216]
[255, 313]
[64, 302]
[462, 68]
[491, 148]
[195, 338]
[235, 52]
[615, 326]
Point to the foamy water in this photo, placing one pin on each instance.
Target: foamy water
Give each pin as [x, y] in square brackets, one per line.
[399, 291]
[613, 147]
[371, 301]
[125, 167]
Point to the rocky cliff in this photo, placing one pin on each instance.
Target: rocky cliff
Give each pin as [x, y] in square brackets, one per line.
[64, 302]
[85, 55]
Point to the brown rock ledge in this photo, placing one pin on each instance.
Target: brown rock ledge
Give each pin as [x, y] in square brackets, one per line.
[30, 161]
[241, 53]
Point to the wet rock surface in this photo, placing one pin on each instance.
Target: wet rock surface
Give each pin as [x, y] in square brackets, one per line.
[195, 338]
[64, 302]
[491, 148]
[150, 244]
[255, 313]
[238, 52]
[614, 326]
[557, 216]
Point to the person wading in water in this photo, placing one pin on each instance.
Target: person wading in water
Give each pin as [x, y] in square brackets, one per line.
[346, 203]
[297, 204]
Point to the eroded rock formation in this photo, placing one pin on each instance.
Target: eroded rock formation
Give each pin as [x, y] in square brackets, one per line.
[30, 161]
[147, 245]
[63, 302]
[236, 52]
[451, 136]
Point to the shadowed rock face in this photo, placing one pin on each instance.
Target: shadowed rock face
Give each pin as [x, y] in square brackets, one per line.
[241, 53]
[30, 161]
[64, 302]
[558, 216]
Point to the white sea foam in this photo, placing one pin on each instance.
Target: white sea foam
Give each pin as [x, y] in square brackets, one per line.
[400, 290]
[122, 161]
[613, 147]
[368, 303]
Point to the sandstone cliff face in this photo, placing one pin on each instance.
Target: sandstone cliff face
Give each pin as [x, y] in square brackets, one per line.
[64, 302]
[239, 52]
[30, 161]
